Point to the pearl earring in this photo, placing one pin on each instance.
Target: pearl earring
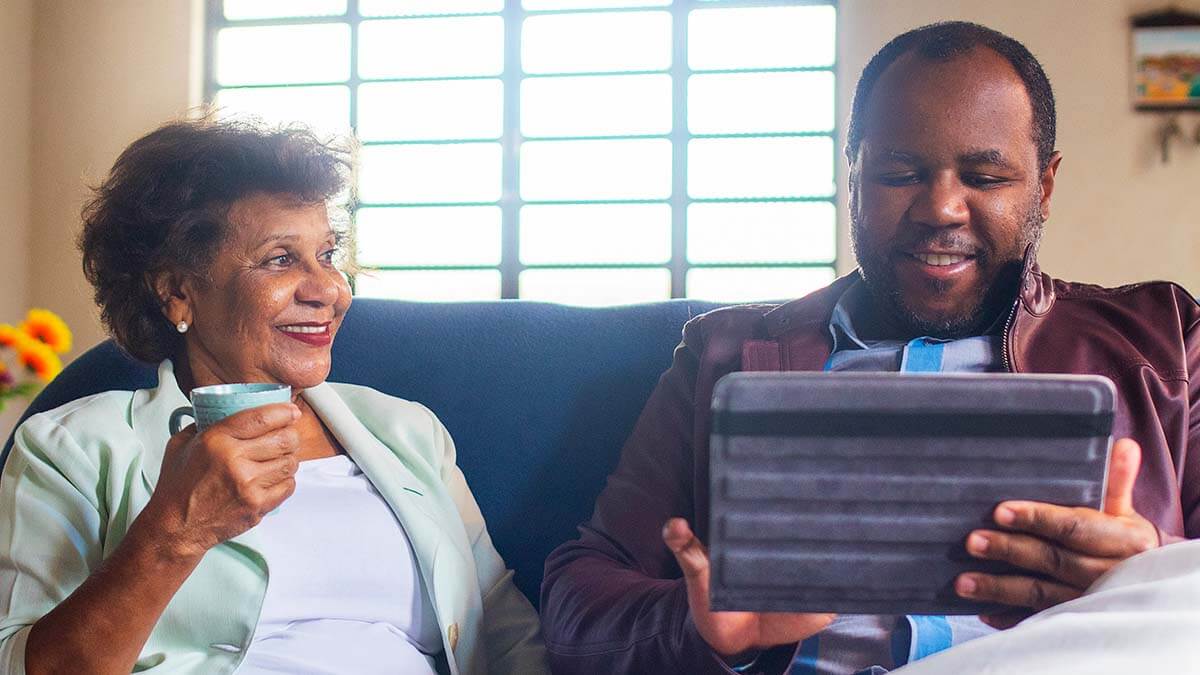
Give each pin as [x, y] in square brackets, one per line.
[182, 326]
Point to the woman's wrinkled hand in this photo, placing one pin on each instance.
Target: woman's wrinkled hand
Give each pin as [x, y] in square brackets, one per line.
[217, 484]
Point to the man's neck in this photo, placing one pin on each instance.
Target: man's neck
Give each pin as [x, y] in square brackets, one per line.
[874, 321]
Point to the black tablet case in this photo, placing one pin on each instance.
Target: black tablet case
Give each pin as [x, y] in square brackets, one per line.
[854, 492]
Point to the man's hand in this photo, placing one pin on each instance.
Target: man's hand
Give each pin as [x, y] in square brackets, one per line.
[731, 633]
[1070, 546]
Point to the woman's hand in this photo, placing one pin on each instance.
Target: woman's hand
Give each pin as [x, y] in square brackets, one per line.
[217, 484]
[731, 633]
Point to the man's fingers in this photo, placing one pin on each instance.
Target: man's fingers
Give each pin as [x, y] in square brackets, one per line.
[255, 422]
[1038, 555]
[1005, 620]
[1123, 465]
[1018, 591]
[689, 552]
[1080, 529]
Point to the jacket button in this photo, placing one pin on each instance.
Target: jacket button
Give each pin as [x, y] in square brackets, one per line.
[452, 636]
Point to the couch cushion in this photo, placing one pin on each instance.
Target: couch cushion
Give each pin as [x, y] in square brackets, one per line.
[538, 397]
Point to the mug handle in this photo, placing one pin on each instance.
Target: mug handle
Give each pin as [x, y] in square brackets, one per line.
[176, 421]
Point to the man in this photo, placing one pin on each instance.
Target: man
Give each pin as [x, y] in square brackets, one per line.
[952, 167]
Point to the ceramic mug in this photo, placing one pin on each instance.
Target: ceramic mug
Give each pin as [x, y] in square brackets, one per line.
[213, 404]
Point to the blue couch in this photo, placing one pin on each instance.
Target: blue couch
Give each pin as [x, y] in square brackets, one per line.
[538, 397]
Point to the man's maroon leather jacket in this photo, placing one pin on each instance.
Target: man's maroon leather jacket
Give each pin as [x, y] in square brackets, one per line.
[613, 601]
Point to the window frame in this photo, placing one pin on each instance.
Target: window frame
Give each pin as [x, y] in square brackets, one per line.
[511, 202]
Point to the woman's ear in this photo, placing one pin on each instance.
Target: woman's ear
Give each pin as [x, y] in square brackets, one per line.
[174, 296]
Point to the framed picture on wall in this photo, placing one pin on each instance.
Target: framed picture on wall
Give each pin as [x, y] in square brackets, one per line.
[1166, 61]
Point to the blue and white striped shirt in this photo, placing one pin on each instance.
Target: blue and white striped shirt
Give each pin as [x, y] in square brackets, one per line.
[876, 644]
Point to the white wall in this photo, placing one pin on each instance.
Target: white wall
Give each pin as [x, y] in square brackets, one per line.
[1118, 214]
[16, 100]
[105, 72]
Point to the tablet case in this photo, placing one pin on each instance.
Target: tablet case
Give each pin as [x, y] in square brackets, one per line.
[854, 492]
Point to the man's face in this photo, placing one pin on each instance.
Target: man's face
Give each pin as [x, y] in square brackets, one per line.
[946, 192]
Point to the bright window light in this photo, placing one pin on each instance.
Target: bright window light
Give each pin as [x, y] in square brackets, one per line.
[589, 152]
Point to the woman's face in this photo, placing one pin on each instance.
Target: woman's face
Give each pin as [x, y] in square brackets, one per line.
[273, 301]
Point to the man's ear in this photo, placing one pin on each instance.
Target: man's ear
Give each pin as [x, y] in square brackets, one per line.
[174, 295]
[1047, 181]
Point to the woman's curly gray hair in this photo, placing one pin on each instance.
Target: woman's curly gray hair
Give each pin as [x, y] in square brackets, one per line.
[163, 208]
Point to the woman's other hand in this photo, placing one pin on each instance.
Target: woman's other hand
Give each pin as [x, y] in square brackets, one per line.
[217, 484]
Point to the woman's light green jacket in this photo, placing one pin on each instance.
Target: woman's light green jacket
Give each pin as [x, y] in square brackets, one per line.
[78, 476]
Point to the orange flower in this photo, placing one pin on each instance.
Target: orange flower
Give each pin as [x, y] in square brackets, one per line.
[9, 336]
[46, 326]
[40, 359]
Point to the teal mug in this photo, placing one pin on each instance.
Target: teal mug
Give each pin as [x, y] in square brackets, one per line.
[213, 404]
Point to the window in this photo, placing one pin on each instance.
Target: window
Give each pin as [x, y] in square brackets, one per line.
[579, 151]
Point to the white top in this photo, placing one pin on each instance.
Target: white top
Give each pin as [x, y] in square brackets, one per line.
[344, 593]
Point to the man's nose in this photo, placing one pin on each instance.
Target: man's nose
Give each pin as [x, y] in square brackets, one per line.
[942, 203]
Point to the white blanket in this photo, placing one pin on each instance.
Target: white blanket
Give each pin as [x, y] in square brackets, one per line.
[1142, 618]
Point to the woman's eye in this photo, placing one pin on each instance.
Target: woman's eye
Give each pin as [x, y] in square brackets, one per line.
[329, 256]
[280, 260]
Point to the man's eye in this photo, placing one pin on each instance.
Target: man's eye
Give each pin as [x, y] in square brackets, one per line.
[982, 180]
[330, 256]
[280, 260]
[898, 179]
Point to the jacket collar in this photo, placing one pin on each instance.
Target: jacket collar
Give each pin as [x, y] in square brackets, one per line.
[148, 415]
[815, 309]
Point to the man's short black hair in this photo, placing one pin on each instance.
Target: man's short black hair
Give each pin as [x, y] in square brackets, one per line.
[948, 40]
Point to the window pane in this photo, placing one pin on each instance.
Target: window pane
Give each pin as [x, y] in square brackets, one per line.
[430, 285]
[447, 109]
[238, 10]
[766, 232]
[596, 287]
[604, 42]
[324, 109]
[760, 102]
[466, 172]
[761, 37]
[283, 54]
[742, 284]
[417, 7]
[624, 169]
[608, 105]
[427, 236]
[595, 233]
[431, 47]
[760, 167]
[591, 4]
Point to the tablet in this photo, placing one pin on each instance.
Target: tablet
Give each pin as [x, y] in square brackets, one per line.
[854, 492]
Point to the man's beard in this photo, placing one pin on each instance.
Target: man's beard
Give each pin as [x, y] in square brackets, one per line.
[1001, 272]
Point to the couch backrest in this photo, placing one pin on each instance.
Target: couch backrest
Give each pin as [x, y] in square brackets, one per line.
[538, 397]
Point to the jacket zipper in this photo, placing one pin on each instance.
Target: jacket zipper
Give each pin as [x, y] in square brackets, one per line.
[1007, 335]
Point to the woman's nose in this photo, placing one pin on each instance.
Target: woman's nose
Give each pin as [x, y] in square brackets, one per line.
[320, 285]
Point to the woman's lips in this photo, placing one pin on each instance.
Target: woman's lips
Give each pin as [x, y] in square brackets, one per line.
[314, 334]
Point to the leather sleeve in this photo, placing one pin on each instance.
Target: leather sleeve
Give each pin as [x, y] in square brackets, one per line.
[613, 601]
[1189, 479]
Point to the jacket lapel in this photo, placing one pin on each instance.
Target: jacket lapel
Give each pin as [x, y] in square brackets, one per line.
[148, 415]
[407, 496]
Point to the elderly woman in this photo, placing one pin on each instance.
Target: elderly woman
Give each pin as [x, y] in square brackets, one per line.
[330, 534]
